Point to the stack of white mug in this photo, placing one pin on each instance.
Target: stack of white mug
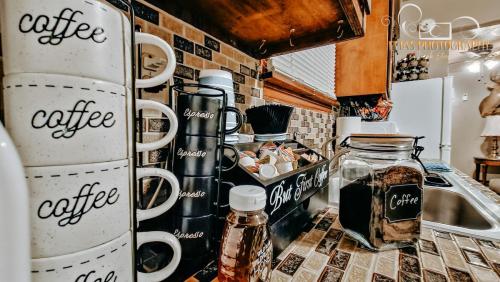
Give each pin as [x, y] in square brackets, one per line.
[68, 108]
[223, 80]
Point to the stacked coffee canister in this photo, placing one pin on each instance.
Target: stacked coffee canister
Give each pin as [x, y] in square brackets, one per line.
[196, 158]
[68, 107]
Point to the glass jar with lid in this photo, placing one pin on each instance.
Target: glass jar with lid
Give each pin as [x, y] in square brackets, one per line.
[381, 193]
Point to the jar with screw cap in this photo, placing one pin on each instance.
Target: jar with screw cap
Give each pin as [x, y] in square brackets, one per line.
[246, 248]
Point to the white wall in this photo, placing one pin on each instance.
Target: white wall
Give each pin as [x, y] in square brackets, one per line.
[467, 123]
[484, 11]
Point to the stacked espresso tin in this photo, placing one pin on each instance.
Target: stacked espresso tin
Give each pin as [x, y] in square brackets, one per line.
[69, 108]
[197, 162]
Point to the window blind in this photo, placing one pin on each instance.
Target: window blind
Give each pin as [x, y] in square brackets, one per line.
[313, 67]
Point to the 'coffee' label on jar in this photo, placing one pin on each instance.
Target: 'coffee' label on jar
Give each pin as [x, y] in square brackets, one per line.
[403, 202]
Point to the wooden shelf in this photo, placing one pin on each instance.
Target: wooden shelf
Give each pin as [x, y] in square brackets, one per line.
[281, 88]
[244, 24]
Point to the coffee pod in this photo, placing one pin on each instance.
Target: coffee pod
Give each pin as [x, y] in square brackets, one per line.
[284, 167]
[267, 171]
[269, 158]
[247, 161]
[250, 154]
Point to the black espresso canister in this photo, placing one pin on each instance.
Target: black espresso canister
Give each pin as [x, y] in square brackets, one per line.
[194, 234]
[199, 115]
[197, 196]
[198, 156]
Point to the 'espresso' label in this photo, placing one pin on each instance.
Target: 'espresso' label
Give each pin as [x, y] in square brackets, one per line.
[202, 115]
[403, 202]
[193, 154]
[195, 235]
[54, 29]
[196, 194]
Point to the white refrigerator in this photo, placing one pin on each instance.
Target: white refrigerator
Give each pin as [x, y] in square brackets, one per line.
[423, 108]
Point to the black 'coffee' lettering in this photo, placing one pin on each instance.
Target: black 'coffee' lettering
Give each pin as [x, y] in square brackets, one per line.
[63, 26]
[72, 210]
[91, 277]
[77, 118]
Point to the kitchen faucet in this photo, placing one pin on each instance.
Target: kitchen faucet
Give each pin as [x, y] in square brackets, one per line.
[334, 157]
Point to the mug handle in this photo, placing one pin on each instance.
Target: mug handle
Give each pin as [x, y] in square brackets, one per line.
[163, 237]
[239, 120]
[165, 206]
[146, 38]
[172, 118]
[230, 185]
[236, 154]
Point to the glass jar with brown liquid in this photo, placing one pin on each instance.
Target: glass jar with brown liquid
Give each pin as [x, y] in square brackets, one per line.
[246, 248]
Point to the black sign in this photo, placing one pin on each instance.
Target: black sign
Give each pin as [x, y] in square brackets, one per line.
[403, 202]
[283, 193]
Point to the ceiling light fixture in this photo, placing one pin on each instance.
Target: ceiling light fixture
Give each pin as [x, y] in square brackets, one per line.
[474, 67]
[490, 64]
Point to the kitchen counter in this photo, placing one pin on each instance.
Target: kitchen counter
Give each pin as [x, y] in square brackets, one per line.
[324, 253]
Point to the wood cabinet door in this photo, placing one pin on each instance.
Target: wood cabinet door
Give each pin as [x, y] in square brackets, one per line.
[361, 66]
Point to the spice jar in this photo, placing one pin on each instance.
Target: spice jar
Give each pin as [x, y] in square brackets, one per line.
[381, 194]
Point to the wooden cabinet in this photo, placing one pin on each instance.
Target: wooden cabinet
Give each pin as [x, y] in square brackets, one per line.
[363, 65]
[265, 28]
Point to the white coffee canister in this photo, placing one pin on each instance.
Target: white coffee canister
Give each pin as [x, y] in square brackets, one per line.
[79, 38]
[112, 261]
[75, 207]
[59, 119]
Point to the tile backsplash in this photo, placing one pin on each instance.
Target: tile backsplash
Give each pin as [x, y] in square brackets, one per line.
[196, 50]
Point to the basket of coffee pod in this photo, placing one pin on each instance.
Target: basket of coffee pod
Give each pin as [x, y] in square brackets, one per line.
[289, 171]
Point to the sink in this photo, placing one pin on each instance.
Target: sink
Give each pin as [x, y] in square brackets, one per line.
[451, 208]
[436, 180]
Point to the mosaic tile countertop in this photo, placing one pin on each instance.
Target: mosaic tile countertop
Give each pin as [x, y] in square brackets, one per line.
[325, 253]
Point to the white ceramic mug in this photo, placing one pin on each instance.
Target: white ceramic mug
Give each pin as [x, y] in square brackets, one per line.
[84, 38]
[75, 207]
[112, 261]
[224, 80]
[60, 119]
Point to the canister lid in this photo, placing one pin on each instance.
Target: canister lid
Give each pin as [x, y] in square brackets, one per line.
[382, 138]
[247, 198]
[215, 73]
[395, 142]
